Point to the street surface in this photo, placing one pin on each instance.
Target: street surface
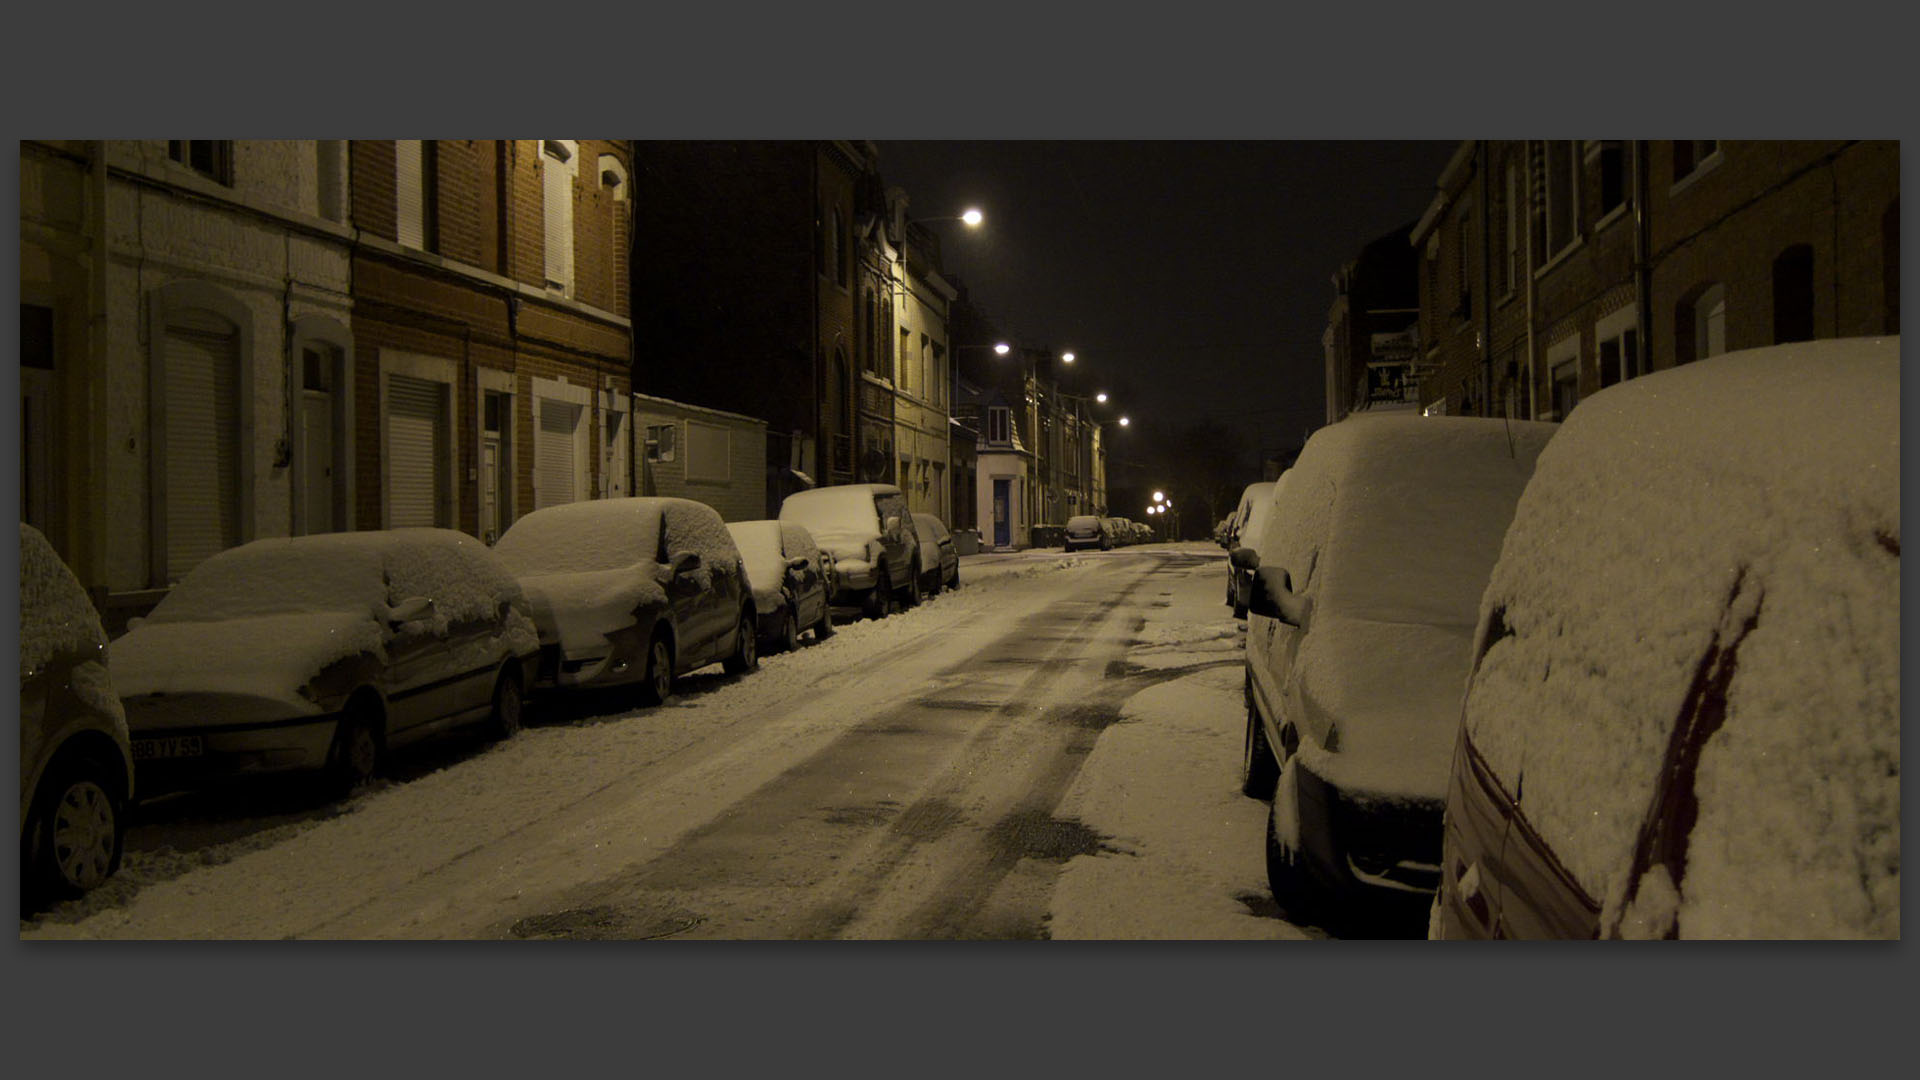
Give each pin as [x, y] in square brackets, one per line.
[1051, 751]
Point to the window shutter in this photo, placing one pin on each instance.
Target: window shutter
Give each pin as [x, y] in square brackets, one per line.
[416, 436]
[558, 180]
[409, 179]
[554, 453]
[202, 426]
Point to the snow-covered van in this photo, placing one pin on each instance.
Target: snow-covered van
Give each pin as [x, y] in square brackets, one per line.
[633, 591]
[1683, 713]
[870, 532]
[76, 766]
[1360, 621]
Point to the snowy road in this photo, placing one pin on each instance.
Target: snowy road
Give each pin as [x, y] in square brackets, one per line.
[1050, 751]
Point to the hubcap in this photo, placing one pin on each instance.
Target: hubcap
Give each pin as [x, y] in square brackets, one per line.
[509, 708]
[662, 670]
[791, 633]
[83, 834]
[361, 751]
[746, 642]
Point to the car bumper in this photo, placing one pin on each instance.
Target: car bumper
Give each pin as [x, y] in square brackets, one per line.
[167, 759]
[1367, 848]
[622, 661]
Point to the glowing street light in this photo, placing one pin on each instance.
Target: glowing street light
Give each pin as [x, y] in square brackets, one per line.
[1067, 357]
[1002, 348]
[972, 217]
[1159, 496]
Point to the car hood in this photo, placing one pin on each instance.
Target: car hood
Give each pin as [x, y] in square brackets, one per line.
[579, 610]
[1392, 692]
[262, 656]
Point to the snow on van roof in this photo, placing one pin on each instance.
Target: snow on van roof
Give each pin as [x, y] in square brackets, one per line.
[582, 537]
[1764, 482]
[843, 513]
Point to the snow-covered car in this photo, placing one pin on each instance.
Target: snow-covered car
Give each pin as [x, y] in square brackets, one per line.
[870, 533]
[791, 579]
[633, 591]
[1683, 714]
[1239, 535]
[1367, 580]
[937, 553]
[76, 765]
[1085, 531]
[322, 652]
[1142, 532]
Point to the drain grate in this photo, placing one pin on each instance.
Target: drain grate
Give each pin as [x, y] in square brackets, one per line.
[605, 924]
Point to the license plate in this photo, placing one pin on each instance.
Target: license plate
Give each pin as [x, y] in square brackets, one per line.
[171, 746]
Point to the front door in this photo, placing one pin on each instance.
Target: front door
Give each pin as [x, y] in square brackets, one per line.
[1002, 526]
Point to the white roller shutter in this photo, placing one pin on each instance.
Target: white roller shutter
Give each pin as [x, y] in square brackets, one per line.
[202, 426]
[416, 436]
[409, 180]
[557, 177]
[555, 461]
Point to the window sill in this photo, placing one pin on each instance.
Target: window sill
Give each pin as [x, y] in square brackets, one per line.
[1610, 217]
[1559, 257]
[1706, 165]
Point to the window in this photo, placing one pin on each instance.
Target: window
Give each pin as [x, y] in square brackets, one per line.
[211, 158]
[39, 419]
[1793, 295]
[1563, 376]
[924, 369]
[1619, 347]
[1558, 215]
[1700, 323]
[559, 160]
[902, 361]
[1609, 160]
[660, 442]
[1691, 156]
[831, 264]
[1462, 290]
[999, 424]
[1512, 238]
[841, 250]
[417, 223]
[938, 391]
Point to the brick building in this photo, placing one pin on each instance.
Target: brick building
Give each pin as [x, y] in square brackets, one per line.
[746, 296]
[1552, 269]
[1372, 336]
[492, 345]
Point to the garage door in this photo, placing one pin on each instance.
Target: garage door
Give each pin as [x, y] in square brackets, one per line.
[556, 454]
[201, 428]
[416, 451]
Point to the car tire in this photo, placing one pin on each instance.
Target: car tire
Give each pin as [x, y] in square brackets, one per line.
[658, 685]
[938, 583]
[879, 599]
[355, 758]
[912, 594]
[953, 579]
[745, 648]
[789, 630]
[1259, 769]
[76, 828]
[509, 708]
[1291, 888]
[823, 629]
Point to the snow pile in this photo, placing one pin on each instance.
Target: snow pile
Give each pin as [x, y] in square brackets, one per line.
[1669, 508]
[56, 619]
[1391, 525]
[761, 551]
[842, 519]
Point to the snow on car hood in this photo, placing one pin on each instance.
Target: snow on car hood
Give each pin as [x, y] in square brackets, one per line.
[579, 610]
[1392, 691]
[265, 656]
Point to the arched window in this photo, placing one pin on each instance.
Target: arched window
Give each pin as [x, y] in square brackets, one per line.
[1793, 294]
[1700, 323]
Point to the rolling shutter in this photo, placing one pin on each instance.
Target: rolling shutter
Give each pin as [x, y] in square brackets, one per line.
[202, 429]
[557, 176]
[554, 453]
[410, 173]
[416, 434]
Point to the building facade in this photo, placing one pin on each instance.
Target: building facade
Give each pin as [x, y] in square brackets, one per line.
[1371, 343]
[1551, 269]
[688, 452]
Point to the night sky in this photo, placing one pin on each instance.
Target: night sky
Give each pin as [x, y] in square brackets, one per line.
[1195, 277]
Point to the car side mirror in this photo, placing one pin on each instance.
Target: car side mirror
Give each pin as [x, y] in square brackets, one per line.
[892, 528]
[410, 610]
[1272, 596]
[685, 563]
[1244, 559]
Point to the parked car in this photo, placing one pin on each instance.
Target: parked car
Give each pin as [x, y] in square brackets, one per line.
[1236, 525]
[76, 763]
[937, 553]
[1085, 531]
[1367, 581]
[633, 591]
[1683, 712]
[1142, 532]
[1253, 524]
[1123, 533]
[875, 548]
[322, 652]
[791, 580]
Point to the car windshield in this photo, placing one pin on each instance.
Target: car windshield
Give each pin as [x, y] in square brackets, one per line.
[601, 534]
[336, 572]
[834, 514]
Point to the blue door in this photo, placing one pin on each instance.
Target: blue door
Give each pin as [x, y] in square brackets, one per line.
[1002, 527]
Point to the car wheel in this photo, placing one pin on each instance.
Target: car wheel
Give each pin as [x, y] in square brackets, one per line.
[789, 631]
[745, 654]
[938, 583]
[659, 682]
[1292, 891]
[913, 594]
[355, 758]
[77, 825]
[879, 601]
[953, 579]
[509, 708]
[1259, 772]
[823, 629]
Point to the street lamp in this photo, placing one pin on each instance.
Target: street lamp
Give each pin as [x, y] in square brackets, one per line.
[971, 217]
